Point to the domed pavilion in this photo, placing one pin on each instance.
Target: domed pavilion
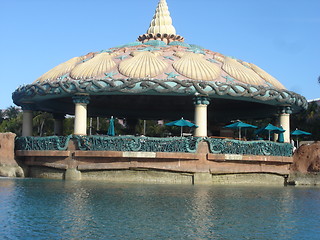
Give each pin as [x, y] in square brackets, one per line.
[159, 76]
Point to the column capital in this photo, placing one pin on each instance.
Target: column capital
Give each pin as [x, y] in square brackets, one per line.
[28, 106]
[285, 110]
[81, 99]
[201, 100]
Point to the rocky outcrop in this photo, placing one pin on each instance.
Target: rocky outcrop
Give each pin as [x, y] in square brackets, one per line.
[305, 169]
[8, 164]
[306, 158]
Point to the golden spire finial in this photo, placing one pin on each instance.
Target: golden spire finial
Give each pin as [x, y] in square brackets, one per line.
[161, 22]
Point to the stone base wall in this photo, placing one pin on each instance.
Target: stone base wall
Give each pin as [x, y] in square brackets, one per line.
[302, 179]
[9, 167]
[249, 179]
[138, 176]
[46, 172]
[156, 176]
[201, 167]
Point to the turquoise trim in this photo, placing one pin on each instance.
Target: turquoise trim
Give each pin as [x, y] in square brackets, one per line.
[196, 46]
[176, 43]
[81, 99]
[137, 144]
[152, 144]
[39, 91]
[110, 143]
[42, 143]
[156, 43]
[265, 148]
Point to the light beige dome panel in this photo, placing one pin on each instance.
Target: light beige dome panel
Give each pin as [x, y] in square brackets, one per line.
[97, 66]
[60, 70]
[266, 76]
[142, 65]
[246, 64]
[240, 72]
[218, 58]
[194, 66]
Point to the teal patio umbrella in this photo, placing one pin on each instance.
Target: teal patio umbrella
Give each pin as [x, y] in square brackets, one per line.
[111, 131]
[270, 129]
[298, 133]
[181, 123]
[239, 125]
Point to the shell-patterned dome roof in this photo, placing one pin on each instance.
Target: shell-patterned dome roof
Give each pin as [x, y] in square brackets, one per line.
[161, 54]
[159, 65]
[156, 59]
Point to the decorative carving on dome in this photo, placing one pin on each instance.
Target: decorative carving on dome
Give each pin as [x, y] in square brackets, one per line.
[122, 57]
[246, 64]
[142, 65]
[240, 72]
[167, 38]
[97, 66]
[195, 66]
[218, 58]
[212, 60]
[266, 76]
[172, 75]
[110, 75]
[60, 70]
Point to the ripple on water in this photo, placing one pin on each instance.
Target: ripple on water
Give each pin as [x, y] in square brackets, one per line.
[53, 209]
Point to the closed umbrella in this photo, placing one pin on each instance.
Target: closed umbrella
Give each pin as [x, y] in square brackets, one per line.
[280, 134]
[111, 131]
[239, 125]
[181, 123]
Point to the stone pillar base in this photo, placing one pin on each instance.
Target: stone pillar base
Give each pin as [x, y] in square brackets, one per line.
[202, 178]
[72, 174]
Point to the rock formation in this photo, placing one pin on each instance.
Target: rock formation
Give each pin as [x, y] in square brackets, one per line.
[8, 165]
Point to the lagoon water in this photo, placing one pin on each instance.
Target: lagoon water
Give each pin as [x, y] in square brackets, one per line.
[54, 209]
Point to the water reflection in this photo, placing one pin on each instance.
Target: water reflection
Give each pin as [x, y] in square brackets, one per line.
[47, 209]
[75, 209]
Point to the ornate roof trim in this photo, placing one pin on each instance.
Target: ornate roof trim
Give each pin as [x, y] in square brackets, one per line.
[66, 88]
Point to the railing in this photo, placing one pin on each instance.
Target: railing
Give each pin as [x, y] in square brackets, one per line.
[150, 144]
[42, 143]
[106, 143]
[137, 144]
[266, 148]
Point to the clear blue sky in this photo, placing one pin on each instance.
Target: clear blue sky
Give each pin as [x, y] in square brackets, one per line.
[280, 36]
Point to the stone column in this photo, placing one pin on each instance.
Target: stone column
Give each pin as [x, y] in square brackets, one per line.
[27, 124]
[200, 115]
[80, 120]
[58, 124]
[276, 123]
[284, 119]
